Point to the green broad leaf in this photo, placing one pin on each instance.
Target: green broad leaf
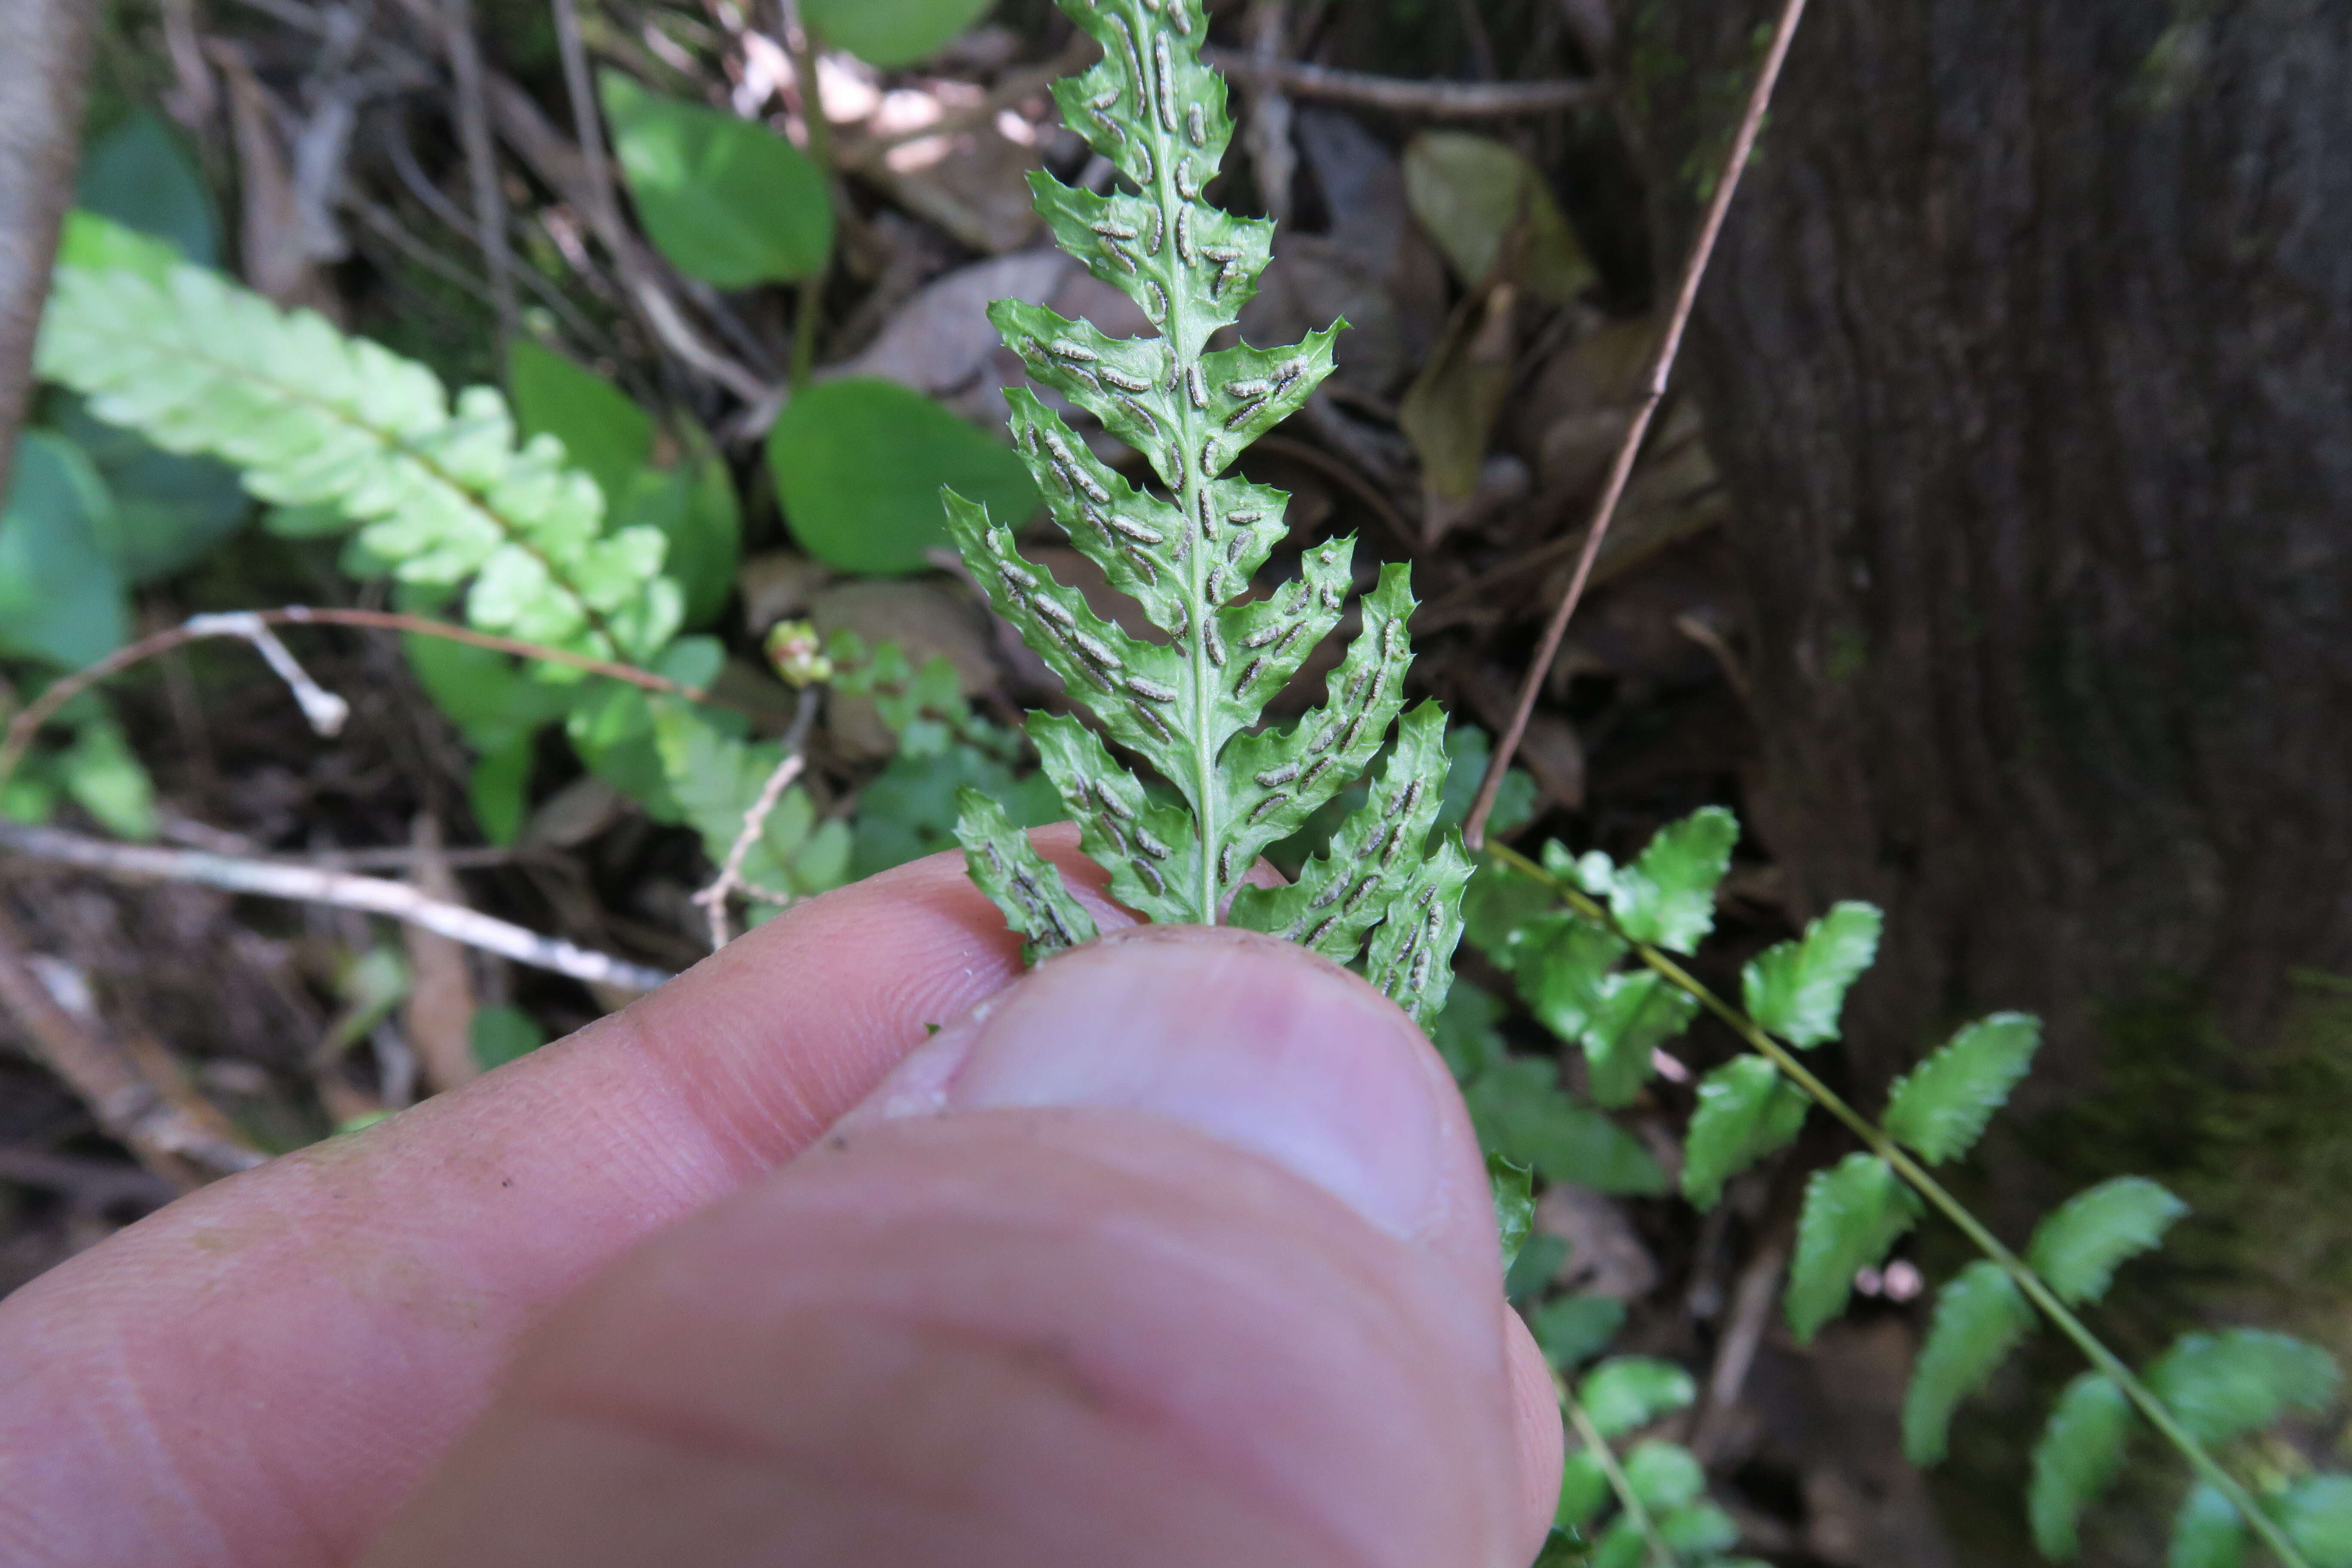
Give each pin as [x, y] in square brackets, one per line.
[1664, 1475]
[1797, 989]
[2080, 1454]
[605, 434]
[859, 464]
[912, 807]
[61, 596]
[1980, 1317]
[1520, 1111]
[1622, 1545]
[693, 508]
[1745, 1111]
[1514, 1204]
[1467, 749]
[1584, 1491]
[2077, 1247]
[486, 694]
[1699, 1529]
[2207, 1533]
[94, 243]
[1501, 911]
[140, 175]
[726, 200]
[1562, 1549]
[1023, 883]
[1941, 1105]
[889, 32]
[501, 1035]
[1488, 207]
[1572, 1330]
[1667, 896]
[168, 511]
[1466, 1034]
[499, 789]
[2317, 1513]
[1532, 1271]
[1854, 1211]
[1628, 1392]
[104, 777]
[2223, 1386]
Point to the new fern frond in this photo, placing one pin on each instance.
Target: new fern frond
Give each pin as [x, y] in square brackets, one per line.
[1187, 707]
[199, 365]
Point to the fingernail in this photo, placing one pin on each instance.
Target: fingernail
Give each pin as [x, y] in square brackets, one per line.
[1246, 1038]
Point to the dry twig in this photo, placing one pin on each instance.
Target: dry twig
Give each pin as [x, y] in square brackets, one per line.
[310, 884]
[1401, 95]
[1662, 364]
[481, 159]
[730, 879]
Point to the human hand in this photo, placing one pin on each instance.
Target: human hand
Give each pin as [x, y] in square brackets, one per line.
[1177, 1252]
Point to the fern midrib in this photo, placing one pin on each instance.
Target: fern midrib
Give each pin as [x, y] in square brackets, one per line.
[230, 370]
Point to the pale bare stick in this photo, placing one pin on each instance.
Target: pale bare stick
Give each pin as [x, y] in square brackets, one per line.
[312, 884]
[1653, 392]
[1405, 95]
[251, 625]
[730, 879]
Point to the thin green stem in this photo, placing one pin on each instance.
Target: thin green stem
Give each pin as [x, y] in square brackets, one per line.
[1661, 1555]
[2208, 1468]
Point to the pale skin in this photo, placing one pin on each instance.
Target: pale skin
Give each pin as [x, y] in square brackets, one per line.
[1177, 1252]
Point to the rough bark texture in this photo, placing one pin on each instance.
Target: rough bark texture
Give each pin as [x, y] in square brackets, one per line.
[2028, 356]
[44, 50]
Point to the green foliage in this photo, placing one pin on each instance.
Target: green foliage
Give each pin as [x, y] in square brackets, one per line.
[1854, 1211]
[503, 1034]
[1666, 896]
[1619, 1019]
[2207, 1533]
[1797, 989]
[102, 776]
[1980, 1316]
[1572, 1330]
[1627, 1393]
[2317, 1513]
[140, 176]
[726, 200]
[2223, 1386]
[1490, 210]
[859, 463]
[607, 436]
[1380, 894]
[60, 597]
[164, 511]
[1521, 1109]
[1941, 1105]
[897, 33]
[1745, 1111]
[2077, 1246]
[315, 418]
[1023, 883]
[2079, 1453]
[1515, 1205]
[716, 779]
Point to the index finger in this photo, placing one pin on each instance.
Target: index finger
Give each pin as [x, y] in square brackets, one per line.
[256, 1375]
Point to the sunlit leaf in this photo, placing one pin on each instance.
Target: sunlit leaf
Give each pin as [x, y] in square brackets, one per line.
[1629, 1392]
[1797, 989]
[727, 200]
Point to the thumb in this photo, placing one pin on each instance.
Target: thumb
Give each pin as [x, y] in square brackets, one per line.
[1177, 1252]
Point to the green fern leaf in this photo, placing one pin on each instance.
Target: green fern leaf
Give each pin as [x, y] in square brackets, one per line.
[1513, 1184]
[1664, 1475]
[1698, 1531]
[1008, 868]
[1188, 702]
[314, 418]
[2223, 1386]
[1666, 896]
[1583, 1490]
[2077, 1247]
[2079, 1453]
[1979, 1318]
[1854, 1211]
[1745, 1111]
[2207, 1533]
[1619, 1020]
[2317, 1513]
[1941, 1105]
[1797, 989]
[1628, 1392]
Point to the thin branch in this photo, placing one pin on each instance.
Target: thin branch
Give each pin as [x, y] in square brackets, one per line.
[27, 724]
[1401, 95]
[46, 44]
[1661, 1555]
[1662, 364]
[604, 212]
[730, 879]
[310, 884]
[2108, 1364]
[809, 301]
[166, 1138]
[481, 159]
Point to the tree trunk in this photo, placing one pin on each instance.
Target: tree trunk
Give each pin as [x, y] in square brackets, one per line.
[2028, 355]
[44, 47]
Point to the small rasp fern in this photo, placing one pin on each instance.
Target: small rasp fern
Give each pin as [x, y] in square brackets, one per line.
[1188, 706]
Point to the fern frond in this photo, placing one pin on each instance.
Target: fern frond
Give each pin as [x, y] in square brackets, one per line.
[1941, 1105]
[1980, 1317]
[1854, 1211]
[1187, 707]
[2077, 1247]
[1797, 989]
[199, 365]
[2079, 1453]
[2223, 1386]
[1745, 1111]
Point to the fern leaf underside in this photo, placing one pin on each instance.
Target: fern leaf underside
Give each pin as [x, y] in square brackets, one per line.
[1186, 550]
